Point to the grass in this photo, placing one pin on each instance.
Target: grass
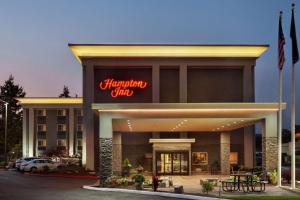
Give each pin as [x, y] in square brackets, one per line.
[264, 198]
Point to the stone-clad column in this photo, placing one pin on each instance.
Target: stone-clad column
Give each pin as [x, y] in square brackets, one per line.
[225, 152]
[106, 147]
[269, 142]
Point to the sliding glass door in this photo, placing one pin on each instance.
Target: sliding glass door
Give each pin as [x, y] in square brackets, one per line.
[172, 163]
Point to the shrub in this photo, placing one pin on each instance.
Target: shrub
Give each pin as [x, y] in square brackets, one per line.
[207, 186]
[138, 178]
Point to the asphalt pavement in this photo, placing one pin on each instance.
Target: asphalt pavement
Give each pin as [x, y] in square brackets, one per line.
[17, 186]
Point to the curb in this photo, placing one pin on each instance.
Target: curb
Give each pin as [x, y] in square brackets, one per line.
[162, 194]
[296, 191]
[62, 176]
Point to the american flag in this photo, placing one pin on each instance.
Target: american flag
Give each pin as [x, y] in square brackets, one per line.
[281, 43]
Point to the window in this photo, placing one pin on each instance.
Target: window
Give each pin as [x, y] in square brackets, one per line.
[41, 143]
[61, 142]
[79, 113]
[41, 127]
[233, 158]
[41, 112]
[61, 112]
[61, 127]
[79, 142]
[79, 127]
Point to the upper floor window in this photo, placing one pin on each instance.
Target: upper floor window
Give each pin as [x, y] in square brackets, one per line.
[42, 143]
[41, 112]
[79, 127]
[61, 143]
[79, 112]
[61, 127]
[41, 127]
[61, 112]
[79, 142]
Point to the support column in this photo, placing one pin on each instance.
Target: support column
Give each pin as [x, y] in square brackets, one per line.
[269, 142]
[183, 83]
[225, 153]
[25, 133]
[71, 132]
[117, 154]
[31, 132]
[105, 147]
[88, 143]
[183, 91]
[155, 90]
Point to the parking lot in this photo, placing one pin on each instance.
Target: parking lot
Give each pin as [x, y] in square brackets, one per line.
[15, 185]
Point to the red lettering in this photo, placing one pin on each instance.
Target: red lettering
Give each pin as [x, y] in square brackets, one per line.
[122, 87]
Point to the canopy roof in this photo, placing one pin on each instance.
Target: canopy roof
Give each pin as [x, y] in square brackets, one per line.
[81, 51]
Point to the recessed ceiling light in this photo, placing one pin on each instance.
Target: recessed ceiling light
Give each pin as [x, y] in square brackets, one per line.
[218, 128]
[223, 126]
[234, 122]
[242, 120]
[185, 120]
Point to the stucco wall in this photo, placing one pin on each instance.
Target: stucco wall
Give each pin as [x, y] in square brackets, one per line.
[135, 146]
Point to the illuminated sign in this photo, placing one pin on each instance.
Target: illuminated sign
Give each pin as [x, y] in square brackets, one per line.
[122, 87]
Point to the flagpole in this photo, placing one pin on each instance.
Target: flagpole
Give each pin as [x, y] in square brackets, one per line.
[295, 58]
[279, 128]
[293, 116]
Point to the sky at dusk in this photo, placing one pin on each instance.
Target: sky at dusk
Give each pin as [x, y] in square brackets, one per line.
[34, 36]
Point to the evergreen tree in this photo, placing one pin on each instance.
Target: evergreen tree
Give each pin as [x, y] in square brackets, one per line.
[9, 92]
[65, 93]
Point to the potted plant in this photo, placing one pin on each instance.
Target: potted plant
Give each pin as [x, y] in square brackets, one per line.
[126, 167]
[138, 180]
[273, 177]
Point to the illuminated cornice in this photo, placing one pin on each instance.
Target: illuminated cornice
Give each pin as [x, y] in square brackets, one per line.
[190, 51]
[49, 100]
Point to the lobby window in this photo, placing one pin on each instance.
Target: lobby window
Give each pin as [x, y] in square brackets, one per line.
[41, 113]
[61, 127]
[61, 143]
[41, 128]
[233, 158]
[61, 112]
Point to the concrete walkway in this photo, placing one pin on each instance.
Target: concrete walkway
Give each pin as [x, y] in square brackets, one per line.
[191, 185]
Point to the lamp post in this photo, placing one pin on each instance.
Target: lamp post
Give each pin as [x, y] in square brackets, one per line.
[5, 129]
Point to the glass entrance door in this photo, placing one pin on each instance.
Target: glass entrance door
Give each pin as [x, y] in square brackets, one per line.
[172, 163]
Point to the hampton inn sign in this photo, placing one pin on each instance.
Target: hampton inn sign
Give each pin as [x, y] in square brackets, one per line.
[157, 105]
[120, 88]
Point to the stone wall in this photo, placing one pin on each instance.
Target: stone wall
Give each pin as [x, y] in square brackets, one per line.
[225, 153]
[269, 153]
[105, 157]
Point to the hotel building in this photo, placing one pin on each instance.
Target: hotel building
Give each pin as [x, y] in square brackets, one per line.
[173, 109]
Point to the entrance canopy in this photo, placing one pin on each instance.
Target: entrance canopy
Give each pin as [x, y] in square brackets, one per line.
[184, 117]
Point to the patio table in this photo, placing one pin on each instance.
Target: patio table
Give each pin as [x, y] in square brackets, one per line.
[249, 180]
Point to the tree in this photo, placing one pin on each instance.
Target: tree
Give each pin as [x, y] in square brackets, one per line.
[65, 93]
[9, 92]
